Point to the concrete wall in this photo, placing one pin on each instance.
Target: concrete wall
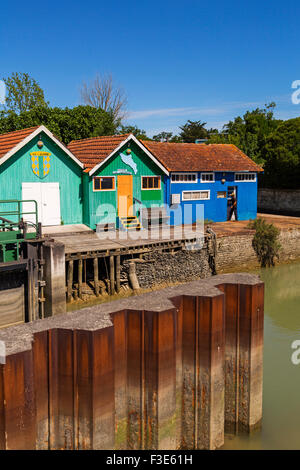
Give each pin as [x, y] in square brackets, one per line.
[279, 200]
[166, 370]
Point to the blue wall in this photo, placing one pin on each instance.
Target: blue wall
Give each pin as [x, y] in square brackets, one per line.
[215, 209]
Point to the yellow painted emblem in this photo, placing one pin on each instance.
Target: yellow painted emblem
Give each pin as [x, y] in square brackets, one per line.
[40, 163]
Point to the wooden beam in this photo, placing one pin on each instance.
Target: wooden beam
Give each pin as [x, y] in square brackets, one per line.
[70, 280]
[80, 278]
[112, 274]
[118, 286]
[96, 277]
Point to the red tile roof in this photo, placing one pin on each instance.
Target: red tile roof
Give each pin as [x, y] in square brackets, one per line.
[10, 140]
[174, 156]
[95, 149]
[201, 157]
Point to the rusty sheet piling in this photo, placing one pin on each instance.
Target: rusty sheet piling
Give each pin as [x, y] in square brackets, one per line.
[172, 369]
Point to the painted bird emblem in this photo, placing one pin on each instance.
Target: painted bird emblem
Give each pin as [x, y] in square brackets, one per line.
[128, 160]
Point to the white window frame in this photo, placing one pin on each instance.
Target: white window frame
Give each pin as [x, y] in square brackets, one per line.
[207, 173]
[245, 180]
[150, 176]
[183, 173]
[196, 191]
[103, 176]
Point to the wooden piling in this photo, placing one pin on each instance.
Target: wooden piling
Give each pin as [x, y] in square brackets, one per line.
[133, 277]
[70, 280]
[80, 278]
[96, 277]
[112, 274]
[118, 273]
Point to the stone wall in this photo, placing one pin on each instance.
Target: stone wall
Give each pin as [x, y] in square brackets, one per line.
[290, 245]
[236, 251]
[165, 268]
[279, 201]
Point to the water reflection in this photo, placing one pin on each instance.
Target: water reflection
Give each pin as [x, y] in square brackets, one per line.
[281, 403]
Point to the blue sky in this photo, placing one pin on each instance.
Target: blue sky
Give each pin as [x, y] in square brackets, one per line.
[177, 60]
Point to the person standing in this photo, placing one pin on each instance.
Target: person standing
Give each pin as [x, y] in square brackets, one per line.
[233, 207]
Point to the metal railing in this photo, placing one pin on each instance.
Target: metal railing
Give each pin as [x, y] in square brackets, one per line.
[14, 229]
[18, 213]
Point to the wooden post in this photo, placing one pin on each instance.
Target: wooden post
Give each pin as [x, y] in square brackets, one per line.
[70, 280]
[80, 278]
[118, 273]
[112, 274]
[134, 282]
[96, 277]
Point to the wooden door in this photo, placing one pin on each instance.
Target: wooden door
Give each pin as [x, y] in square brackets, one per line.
[125, 199]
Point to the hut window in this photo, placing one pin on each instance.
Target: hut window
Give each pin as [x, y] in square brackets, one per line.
[184, 178]
[151, 182]
[245, 177]
[207, 177]
[195, 195]
[221, 194]
[103, 183]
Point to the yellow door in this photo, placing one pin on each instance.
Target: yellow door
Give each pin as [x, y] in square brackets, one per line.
[125, 195]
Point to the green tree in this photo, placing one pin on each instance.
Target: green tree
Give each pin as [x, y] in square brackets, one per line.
[193, 130]
[138, 133]
[265, 242]
[67, 124]
[23, 93]
[281, 153]
[250, 132]
[163, 137]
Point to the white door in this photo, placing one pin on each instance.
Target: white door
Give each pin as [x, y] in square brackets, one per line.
[48, 202]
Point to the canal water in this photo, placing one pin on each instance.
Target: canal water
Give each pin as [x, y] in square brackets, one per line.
[281, 387]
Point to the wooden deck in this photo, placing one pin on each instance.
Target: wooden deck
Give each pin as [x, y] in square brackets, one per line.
[89, 244]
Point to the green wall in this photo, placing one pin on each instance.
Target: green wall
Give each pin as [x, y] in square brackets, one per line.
[95, 209]
[17, 170]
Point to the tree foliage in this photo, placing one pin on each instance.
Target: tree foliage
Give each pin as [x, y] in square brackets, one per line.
[23, 93]
[250, 132]
[282, 156]
[193, 130]
[67, 124]
[138, 133]
[265, 242]
[163, 137]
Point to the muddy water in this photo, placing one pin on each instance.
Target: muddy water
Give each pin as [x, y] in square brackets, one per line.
[281, 392]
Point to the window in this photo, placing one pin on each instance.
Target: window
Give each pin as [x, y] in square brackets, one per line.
[195, 195]
[150, 182]
[104, 183]
[184, 178]
[207, 177]
[221, 194]
[245, 177]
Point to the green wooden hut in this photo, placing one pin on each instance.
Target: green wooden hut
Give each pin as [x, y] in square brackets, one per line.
[120, 177]
[35, 165]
